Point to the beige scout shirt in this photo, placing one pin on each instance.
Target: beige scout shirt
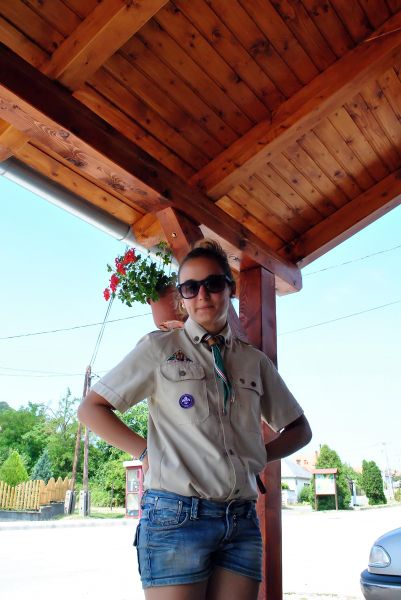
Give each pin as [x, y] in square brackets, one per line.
[194, 449]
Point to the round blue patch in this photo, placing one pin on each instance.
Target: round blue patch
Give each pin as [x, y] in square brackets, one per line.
[187, 401]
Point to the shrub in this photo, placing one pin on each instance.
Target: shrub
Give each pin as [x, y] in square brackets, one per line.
[13, 470]
[305, 494]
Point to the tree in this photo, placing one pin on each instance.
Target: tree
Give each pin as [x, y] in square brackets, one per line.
[61, 432]
[372, 482]
[13, 470]
[24, 431]
[329, 459]
[43, 468]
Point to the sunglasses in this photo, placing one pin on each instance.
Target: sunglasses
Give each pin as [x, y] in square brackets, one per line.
[214, 284]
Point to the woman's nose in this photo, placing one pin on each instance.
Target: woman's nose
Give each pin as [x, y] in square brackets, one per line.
[203, 292]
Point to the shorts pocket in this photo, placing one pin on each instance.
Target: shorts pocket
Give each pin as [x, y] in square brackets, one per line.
[167, 514]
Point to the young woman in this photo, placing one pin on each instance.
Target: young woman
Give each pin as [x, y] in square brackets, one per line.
[199, 537]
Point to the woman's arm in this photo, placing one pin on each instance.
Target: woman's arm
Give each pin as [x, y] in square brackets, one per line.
[98, 414]
[293, 437]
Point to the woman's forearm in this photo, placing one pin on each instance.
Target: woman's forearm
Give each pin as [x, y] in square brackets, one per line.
[294, 437]
[98, 415]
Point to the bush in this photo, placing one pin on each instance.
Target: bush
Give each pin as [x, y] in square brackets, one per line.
[43, 468]
[13, 470]
[372, 482]
[305, 495]
[329, 459]
[284, 485]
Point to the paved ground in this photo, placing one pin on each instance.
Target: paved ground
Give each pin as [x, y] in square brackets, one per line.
[323, 556]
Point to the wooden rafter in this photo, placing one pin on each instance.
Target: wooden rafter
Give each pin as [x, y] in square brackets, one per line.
[48, 114]
[11, 140]
[303, 111]
[97, 38]
[351, 218]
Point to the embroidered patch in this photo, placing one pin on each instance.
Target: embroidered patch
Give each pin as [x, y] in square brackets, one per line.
[180, 356]
[186, 401]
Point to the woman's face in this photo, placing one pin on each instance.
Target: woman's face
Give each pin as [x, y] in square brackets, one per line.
[208, 309]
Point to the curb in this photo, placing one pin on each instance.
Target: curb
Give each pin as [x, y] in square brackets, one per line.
[14, 525]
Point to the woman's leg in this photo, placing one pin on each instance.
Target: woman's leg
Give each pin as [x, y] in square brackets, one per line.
[227, 585]
[190, 591]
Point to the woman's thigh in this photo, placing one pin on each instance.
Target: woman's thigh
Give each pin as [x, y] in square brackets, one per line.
[227, 585]
[191, 591]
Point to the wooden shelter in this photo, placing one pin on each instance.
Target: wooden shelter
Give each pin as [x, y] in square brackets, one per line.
[274, 126]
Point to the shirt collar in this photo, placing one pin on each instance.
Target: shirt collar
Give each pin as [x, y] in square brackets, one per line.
[196, 332]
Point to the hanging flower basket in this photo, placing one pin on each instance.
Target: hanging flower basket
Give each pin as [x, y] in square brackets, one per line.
[138, 278]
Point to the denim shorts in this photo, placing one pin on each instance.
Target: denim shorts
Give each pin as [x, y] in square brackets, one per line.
[180, 539]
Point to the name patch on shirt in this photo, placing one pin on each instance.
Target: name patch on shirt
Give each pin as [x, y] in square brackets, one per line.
[186, 401]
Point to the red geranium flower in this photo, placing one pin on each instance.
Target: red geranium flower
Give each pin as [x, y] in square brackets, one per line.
[129, 256]
[121, 269]
[106, 294]
[114, 281]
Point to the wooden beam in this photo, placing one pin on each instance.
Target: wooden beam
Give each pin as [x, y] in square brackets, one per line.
[303, 111]
[180, 231]
[348, 220]
[98, 37]
[47, 113]
[258, 317]
[11, 140]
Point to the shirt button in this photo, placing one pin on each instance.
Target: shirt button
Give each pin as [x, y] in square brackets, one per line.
[253, 383]
[182, 373]
[242, 380]
[196, 338]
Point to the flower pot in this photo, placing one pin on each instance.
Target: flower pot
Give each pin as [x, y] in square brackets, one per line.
[166, 308]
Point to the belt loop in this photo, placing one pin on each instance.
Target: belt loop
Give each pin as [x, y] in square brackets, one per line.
[194, 508]
[250, 509]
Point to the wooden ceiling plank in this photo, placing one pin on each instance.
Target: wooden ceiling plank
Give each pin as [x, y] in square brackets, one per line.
[301, 159]
[221, 38]
[321, 155]
[277, 32]
[152, 95]
[21, 45]
[252, 203]
[97, 38]
[302, 185]
[57, 14]
[133, 131]
[354, 18]
[199, 49]
[48, 113]
[376, 11]
[56, 171]
[287, 193]
[331, 27]
[303, 111]
[11, 140]
[135, 109]
[353, 217]
[334, 142]
[395, 5]
[377, 103]
[167, 49]
[240, 214]
[31, 24]
[82, 9]
[178, 90]
[391, 86]
[354, 138]
[259, 188]
[368, 124]
[256, 44]
[305, 31]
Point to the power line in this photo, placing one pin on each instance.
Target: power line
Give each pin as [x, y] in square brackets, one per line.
[40, 371]
[11, 337]
[348, 262]
[362, 312]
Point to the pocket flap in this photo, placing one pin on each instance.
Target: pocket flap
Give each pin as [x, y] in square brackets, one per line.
[249, 382]
[181, 371]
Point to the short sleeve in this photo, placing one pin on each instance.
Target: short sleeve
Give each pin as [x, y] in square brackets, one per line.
[132, 380]
[279, 407]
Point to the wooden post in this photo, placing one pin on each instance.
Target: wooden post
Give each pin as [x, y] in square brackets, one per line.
[258, 317]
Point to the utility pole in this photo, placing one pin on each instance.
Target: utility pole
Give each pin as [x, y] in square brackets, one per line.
[84, 501]
[389, 477]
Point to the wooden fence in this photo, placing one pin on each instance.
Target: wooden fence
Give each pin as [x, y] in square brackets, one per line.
[30, 495]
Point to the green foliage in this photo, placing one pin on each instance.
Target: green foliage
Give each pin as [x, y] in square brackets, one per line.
[284, 485]
[305, 495]
[111, 476]
[61, 434]
[329, 459]
[24, 431]
[397, 495]
[372, 482]
[13, 470]
[4, 406]
[43, 468]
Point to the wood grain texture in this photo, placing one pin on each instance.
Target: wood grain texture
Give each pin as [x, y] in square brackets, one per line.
[11, 140]
[302, 112]
[21, 45]
[97, 38]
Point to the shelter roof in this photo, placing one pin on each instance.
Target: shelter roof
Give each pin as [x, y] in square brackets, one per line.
[276, 126]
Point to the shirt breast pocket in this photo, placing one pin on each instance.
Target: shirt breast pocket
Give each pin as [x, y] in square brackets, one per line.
[246, 410]
[183, 394]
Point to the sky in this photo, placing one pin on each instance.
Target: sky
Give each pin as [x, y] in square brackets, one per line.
[345, 372]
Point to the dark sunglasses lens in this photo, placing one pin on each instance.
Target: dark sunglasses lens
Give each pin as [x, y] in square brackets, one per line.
[189, 289]
[215, 283]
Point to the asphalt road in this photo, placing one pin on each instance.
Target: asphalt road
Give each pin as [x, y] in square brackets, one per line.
[323, 555]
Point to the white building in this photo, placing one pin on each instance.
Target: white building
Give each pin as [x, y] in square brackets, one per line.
[296, 478]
